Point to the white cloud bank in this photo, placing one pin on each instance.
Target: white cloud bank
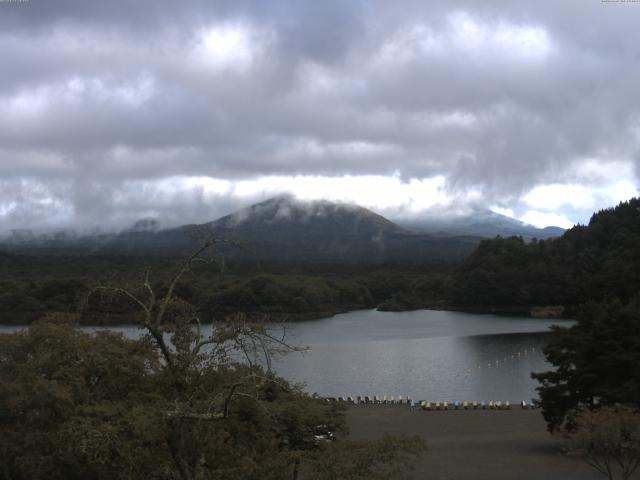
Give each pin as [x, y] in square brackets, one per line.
[180, 199]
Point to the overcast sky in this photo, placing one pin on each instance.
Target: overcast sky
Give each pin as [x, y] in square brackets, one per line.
[184, 110]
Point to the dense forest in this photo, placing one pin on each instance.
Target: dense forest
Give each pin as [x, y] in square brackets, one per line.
[589, 262]
[75, 406]
[31, 286]
[508, 275]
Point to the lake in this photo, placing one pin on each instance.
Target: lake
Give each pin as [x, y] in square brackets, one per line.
[427, 354]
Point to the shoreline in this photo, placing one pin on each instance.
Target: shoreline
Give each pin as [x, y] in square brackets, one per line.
[26, 319]
[547, 312]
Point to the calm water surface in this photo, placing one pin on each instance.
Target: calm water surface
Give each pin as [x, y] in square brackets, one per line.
[426, 354]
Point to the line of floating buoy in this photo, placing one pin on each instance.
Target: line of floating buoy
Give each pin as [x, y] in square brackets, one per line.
[499, 362]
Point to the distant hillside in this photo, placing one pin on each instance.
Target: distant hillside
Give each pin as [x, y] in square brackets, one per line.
[586, 263]
[281, 229]
[285, 228]
[287, 220]
[480, 223]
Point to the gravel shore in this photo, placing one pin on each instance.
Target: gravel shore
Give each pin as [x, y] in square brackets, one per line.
[474, 444]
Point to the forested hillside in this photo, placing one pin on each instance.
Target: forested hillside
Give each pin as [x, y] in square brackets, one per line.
[592, 262]
[510, 275]
[31, 286]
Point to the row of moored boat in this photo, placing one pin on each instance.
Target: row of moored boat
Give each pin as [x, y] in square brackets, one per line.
[426, 405]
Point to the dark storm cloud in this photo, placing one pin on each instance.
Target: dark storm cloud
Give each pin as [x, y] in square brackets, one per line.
[97, 98]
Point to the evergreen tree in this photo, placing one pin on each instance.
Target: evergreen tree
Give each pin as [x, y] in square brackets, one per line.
[596, 362]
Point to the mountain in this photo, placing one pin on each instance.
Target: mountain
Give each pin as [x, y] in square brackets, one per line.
[481, 223]
[283, 216]
[281, 229]
[285, 228]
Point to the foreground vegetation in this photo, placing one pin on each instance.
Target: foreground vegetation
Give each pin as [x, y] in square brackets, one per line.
[174, 404]
[592, 396]
[74, 405]
[596, 363]
[608, 439]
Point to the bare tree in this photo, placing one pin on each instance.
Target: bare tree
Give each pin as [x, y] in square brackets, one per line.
[609, 440]
[175, 329]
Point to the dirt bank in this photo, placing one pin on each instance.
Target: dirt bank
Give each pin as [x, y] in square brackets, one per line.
[474, 445]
